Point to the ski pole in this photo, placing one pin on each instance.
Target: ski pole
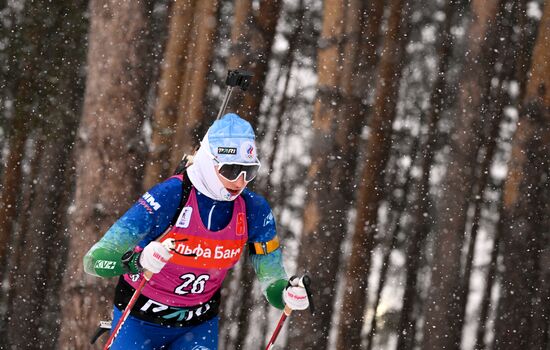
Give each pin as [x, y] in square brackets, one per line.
[168, 244]
[305, 282]
[286, 312]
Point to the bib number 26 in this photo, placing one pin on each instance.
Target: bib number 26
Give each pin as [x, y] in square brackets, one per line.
[192, 284]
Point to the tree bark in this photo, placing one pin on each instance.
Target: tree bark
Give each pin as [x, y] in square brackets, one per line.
[42, 223]
[109, 156]
[252, 35]
[246, 305]
[398, 212]
[526, 191]
[498, 99]
[24, 44]
[324, 216]
[370, 190]
[487, 293]
[241, 31]
[422, 205]
[191, 101]
[267, 182]
[266, 20]
[11, 185]
[170, 87]
[42, 240]
[13, 297]
[442, 329]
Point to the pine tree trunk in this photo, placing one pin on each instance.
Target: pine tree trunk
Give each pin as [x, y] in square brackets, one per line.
[324, 217]
[526, 191]
[265, 23]
[370, 40]
[11, 185]
[252, 35]
[191, 101]
[540, 325]
[109, 156]
[398, 211]
[23, 40]
[15, 260]
[43, 240]
[377, 153]
[498, 99]
[442, 329]
[421, 207]
[170, 87]
[39, 254]
[246, 304]
[241, 30]
[487, 294]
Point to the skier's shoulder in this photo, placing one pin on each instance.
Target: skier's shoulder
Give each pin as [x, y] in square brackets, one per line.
[261, 223]
[170, 186]
[164, 194]
[255, 202]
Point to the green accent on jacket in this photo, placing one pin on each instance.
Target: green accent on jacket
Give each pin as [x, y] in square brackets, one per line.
[274, 293]
[104, 262]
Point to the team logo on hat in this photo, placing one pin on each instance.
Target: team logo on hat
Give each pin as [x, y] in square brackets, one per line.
[248, 150]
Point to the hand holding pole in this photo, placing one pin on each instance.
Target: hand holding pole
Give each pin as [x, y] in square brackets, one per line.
[147, 275]
[304, 282]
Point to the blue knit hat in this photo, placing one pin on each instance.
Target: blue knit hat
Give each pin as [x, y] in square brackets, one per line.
[231, 140]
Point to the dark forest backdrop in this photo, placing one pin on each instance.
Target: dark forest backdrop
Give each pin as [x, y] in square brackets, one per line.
[405, 149]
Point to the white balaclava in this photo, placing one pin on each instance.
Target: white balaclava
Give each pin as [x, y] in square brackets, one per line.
[231, 140]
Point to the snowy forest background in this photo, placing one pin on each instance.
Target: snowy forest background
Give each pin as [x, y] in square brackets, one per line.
[405, 150]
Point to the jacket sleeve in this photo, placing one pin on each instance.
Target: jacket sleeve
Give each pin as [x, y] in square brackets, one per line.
[272, 276]
[268, 264]
[147, 219]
